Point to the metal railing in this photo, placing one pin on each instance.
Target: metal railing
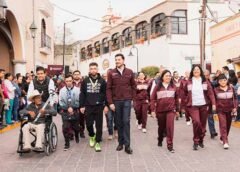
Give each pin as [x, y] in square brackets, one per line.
[46, 41]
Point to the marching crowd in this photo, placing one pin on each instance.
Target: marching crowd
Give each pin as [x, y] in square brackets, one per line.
[197, 96]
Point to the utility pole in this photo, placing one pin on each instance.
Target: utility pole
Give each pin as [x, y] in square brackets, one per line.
[203, 33]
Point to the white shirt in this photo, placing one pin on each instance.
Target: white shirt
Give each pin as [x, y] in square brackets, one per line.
[10, 88]
[120, 70]
[51, 86]
[198, 98]
[230, 66]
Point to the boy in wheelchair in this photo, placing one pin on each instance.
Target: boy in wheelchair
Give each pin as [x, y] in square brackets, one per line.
[38, 126]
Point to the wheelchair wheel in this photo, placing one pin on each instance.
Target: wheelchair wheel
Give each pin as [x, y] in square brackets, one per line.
[47, 145]
[20, 144]
[53, 137]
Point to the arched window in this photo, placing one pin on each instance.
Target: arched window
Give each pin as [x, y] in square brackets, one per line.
[43, 34]
[179, 22]
[127, 36]
[83, 54]
[105, 44]
[158, 24]
[89, 51]
[141, 30]
[97, 48]
[115, 42]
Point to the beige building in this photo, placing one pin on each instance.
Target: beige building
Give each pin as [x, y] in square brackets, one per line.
[17, 50]
[165, 35]
[225, 40]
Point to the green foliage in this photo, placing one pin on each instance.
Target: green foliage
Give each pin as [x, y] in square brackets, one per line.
[150, 70]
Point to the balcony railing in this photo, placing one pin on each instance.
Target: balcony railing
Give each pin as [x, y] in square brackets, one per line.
[46, 41]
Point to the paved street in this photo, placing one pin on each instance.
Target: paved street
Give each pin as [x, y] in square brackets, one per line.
[146, 157]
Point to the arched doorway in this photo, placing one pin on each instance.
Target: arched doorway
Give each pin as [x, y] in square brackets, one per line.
[11, 51]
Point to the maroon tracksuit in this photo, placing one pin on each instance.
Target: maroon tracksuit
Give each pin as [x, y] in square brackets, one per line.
[82, 116]
[152, 103]
[141, 102]
[226, 102]
[166, 106]
[199, 114]
[182, 85]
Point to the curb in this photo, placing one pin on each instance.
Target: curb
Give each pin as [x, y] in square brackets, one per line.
[10, 127]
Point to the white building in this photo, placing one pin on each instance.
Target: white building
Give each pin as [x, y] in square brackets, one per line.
[166, 34]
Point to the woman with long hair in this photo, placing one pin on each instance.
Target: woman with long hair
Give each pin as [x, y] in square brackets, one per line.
[166, 98]
[197, 94]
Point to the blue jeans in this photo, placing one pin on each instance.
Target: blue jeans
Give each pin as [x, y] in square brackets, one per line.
[15, 108]
[111, 121]
[8, 113]
[123, 113]
[211, 124]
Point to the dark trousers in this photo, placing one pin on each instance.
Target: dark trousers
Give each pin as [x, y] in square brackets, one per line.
[211, 124]
[141, 109]
[166, 124]
[70, 125]
[123, 112]
[199, 115]
[82, 123]
[95, 114]
[111, 122]
[187, 115]
[225, 121]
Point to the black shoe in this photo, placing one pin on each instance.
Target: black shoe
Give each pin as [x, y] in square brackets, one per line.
[214, 135]
[77, 139]
[195, 146]
[128, 150]
[82, 135]
[119, 148]
[66, 147]
[160, 144]
[201, 145]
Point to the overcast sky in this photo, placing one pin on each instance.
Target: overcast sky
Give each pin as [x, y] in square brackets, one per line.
[85, 29]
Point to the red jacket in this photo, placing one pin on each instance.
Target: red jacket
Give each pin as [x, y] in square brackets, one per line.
[226, 100]
[166, 99]
[142, 91]
[120, 87]
[186, 94]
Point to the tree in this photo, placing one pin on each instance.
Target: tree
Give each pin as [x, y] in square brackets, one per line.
[150, 70]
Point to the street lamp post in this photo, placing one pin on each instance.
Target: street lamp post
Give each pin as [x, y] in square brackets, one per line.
[131, 54]
[64, 40]
[33, 29]
[3, 7]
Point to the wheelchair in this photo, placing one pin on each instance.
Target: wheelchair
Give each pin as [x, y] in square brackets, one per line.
[50, 137]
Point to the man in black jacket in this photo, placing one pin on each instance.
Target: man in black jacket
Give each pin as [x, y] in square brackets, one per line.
[93, 103]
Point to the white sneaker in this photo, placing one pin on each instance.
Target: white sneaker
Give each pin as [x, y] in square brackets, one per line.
[188, 123]
[136, 122]
[144, 130]
[110, 137]
[140, 127]
[226, 146]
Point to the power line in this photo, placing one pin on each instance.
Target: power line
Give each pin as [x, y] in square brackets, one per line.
[79, 15]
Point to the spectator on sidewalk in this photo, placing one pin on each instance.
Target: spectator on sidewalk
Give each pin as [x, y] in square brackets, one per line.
[2, 73]
[11, 94]
[18, 93]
